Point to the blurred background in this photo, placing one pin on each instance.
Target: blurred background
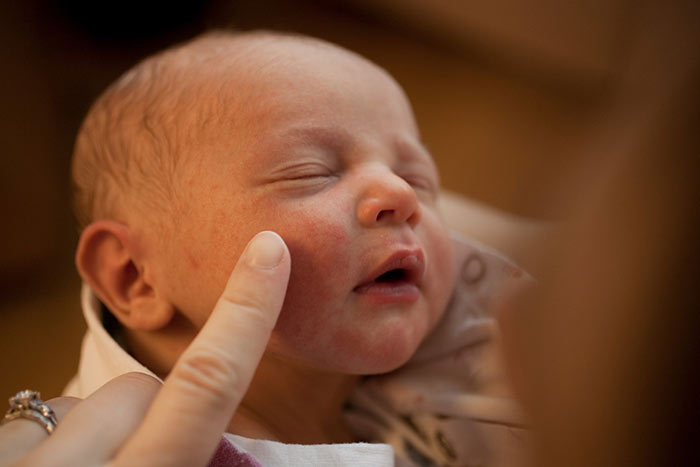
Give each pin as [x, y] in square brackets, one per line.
[509, 95]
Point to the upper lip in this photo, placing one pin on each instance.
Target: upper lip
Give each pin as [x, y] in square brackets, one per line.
[411, 261]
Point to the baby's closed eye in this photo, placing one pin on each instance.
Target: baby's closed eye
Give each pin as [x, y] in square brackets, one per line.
[425, 186]
[306, 170]
[302, 177]
[419, 182]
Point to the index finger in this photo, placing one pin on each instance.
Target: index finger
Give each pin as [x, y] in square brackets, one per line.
[185, 422]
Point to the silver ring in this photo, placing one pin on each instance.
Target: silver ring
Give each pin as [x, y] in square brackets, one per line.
[27, 404]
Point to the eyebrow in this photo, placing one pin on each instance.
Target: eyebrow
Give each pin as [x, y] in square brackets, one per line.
[339, 139]
[409, 150]
[333, 137]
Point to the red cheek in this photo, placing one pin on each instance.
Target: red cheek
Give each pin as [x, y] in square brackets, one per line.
[194, 264]
[325, 233]
[316, 251]
[337, 235]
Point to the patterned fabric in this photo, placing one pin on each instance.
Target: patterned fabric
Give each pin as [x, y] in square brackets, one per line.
[450, 405]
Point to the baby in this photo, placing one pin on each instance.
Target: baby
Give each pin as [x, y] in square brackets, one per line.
[195, 150]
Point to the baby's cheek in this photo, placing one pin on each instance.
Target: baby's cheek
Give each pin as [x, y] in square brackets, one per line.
[442, 261]
[318, 280]
[317, 249]
[441, 268]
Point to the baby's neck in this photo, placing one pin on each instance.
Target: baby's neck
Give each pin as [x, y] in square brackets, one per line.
[295, 405]
[285, 402]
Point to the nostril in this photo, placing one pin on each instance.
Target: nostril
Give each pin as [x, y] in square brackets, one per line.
[384, 213]
[415, 217]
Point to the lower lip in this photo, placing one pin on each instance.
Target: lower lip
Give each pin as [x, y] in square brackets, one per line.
[381, 293]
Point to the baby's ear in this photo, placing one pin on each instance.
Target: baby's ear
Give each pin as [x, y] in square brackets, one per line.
[106, 259]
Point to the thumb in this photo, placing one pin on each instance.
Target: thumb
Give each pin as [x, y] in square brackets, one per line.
[198, 399]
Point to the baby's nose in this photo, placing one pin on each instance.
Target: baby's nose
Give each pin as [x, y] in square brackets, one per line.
[388, 199]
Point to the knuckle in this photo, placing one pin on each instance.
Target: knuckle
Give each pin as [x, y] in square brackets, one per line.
[210, 371]
[256, 316]
[255, 311]
[246, 300]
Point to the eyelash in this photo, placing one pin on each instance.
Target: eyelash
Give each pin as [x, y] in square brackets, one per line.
[308, 171]
[420, 183]
[320, 173]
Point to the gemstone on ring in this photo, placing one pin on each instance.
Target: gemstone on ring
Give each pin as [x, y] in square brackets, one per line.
[23, 399]
[28, 404]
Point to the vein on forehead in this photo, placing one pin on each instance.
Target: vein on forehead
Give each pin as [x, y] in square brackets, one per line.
[331, 137]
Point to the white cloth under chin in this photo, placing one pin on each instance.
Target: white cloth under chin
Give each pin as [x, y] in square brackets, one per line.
[448, 406]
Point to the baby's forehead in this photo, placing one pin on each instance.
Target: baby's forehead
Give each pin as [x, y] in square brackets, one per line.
[236, 91]
[227, 75]
[226, 57]
[250, 77]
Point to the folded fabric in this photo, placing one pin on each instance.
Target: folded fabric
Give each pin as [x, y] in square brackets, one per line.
[451, 404]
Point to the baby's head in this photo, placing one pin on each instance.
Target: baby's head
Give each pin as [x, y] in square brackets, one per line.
[198, 148]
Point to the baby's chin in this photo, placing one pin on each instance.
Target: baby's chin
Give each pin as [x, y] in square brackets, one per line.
[355, 340]
[387, 364]
[393, 349]
[389, 350]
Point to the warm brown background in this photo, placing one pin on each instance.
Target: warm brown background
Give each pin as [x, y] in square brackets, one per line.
[506, 92]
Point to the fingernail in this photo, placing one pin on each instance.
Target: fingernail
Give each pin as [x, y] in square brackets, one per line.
[265, 250]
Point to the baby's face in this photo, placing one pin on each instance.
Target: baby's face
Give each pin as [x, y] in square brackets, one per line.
[327, 155]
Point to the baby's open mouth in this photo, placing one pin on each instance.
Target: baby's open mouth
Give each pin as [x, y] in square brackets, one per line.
[397, 279]
[394, 275]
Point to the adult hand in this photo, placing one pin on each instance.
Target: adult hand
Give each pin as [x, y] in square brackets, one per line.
[185, 417]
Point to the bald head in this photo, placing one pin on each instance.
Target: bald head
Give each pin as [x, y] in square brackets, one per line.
[137, 136]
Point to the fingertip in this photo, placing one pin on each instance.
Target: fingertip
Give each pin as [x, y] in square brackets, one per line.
[265, 251]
